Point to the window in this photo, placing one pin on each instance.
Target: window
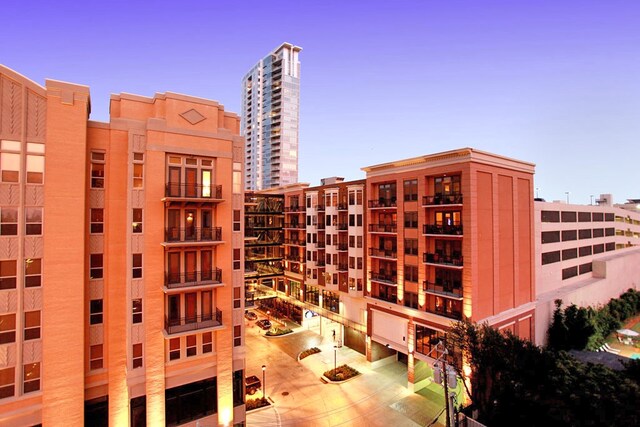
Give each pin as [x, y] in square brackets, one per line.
[411, 246]
[236, 220]
[7, 381]
[550, 257]
[136, 353]
[352, 220]
[174, 348]
[609, 231]
[585, 251]
[31, 377]
[237, 178]
[7, 328]
[97, 169]
[236, 258]
[95, 357]
[137, 221]
[359, 263]
[137, 175]
[10, 162]
[237, 335]
[33, 219]
[411, 190]
[97, 221]
[352, 241]
[568, 235]
[8, 274]
[207, 345]
[609, 217]
[192, 350]
[598, 232]
[95, 272]
[359, 241]
[359, 220]
[550, 216]
[95, 311]
[352, 262]
[611, 246]
[238, 388]
[585, 268]
[136, 310]
[584, 216]
[597, 216]
[570, 272]
[136, 266]
[569, 254]
[31, 325]
[410, 273]
[191, 401]
[550, 236]
[8, 221]
[411, 220]
[410, 299]
[447, 185]
[598, 249]
[32, 272]
[568, 216]
[584, 234]
[35, 163]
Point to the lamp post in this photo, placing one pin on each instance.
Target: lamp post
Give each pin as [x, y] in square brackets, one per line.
[264, 381]
[335, 357]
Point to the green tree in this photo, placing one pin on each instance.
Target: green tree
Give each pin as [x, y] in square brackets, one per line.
[558, 332]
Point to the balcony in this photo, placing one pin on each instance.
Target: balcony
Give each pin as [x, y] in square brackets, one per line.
[320, 244]
[341, 246]
[193, 278]
[342, 207]
[294, 258]
[294, 242]
[442, 199]
[343, 267]
[383, 228]
[389, 279]
[382, 253]
[383, 203]
[452, 311]
[446, 289]
[444, 260]
[388, 298]
[185, 324]
[192, 192]
[343, 227]
[174, 236]
[447, 230]
[320, 263]
[294, 225]
[293, 209]
[320, 208]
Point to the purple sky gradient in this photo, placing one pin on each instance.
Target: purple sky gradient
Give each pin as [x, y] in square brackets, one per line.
[556, 83]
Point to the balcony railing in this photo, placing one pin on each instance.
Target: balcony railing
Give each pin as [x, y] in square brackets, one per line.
[343, 226]
[455, 230]
[388, 298]
[342, 207]
[442, 199]
[183, 324]
[293, 208]
[383, 203]
[341, 246]
[320, 244]
[295, 242]
[192, 278]
[383, 228]
[320, 263]
[384, 278]
[452, 313]
[294, 258]
[195, 191]
[343, 267]
[436, 258]
[447, 289]
[383, 253]
[193, 234]
[294, 225]
[320, 207]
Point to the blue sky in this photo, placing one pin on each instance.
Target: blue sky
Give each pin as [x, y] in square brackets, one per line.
[556, 83]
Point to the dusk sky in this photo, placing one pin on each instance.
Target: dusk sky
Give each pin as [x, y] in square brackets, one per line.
[556, 83]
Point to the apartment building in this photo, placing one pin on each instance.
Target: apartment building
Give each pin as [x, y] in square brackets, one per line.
[120, 259]
[450, 235]
[270, 117]
[585, 255]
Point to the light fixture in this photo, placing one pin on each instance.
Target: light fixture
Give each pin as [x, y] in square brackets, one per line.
[189, 217]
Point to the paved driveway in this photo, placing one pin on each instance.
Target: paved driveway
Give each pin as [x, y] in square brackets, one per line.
[377, 398]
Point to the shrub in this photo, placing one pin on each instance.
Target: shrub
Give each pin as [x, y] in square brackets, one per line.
[309, 352]
[341, 373]
[256, 403]
[278, 331]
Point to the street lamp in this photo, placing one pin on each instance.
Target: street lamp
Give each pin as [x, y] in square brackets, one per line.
[264, 381]
[335, 357]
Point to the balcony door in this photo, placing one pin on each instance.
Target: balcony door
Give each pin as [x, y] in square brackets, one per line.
[191, 182]
[206, 183]
[207, 306]
[190, 307]
[207, 224]
[174, 310]
[173, 225]
[190, 266]
[174, 181]
[173, 259]
[206, 267]
[190, 224]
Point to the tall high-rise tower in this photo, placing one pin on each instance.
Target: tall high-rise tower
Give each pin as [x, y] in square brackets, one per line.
[270, 115]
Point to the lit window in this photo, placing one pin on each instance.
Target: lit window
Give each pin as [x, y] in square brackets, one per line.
[206, 183]
[137, 220]
[10, 162]
[31, 377]
[137, 310]
[35, 169]
[32, 272]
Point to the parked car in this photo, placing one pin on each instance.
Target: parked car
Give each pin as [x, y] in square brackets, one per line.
[264, 324]
[250, 315]
[252, 384]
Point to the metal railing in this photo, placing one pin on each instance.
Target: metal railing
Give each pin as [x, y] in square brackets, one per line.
[383, 228]
[442, 199]
[193, 234]
[183, 324]
[191, 278]
[383, 253]
[436, 258]
[383, 203]
[452, 290]
[196, 191]
[455, 230]
[384, 278]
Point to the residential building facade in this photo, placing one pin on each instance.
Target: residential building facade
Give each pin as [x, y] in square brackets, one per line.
[122, 270]
[270, 117]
